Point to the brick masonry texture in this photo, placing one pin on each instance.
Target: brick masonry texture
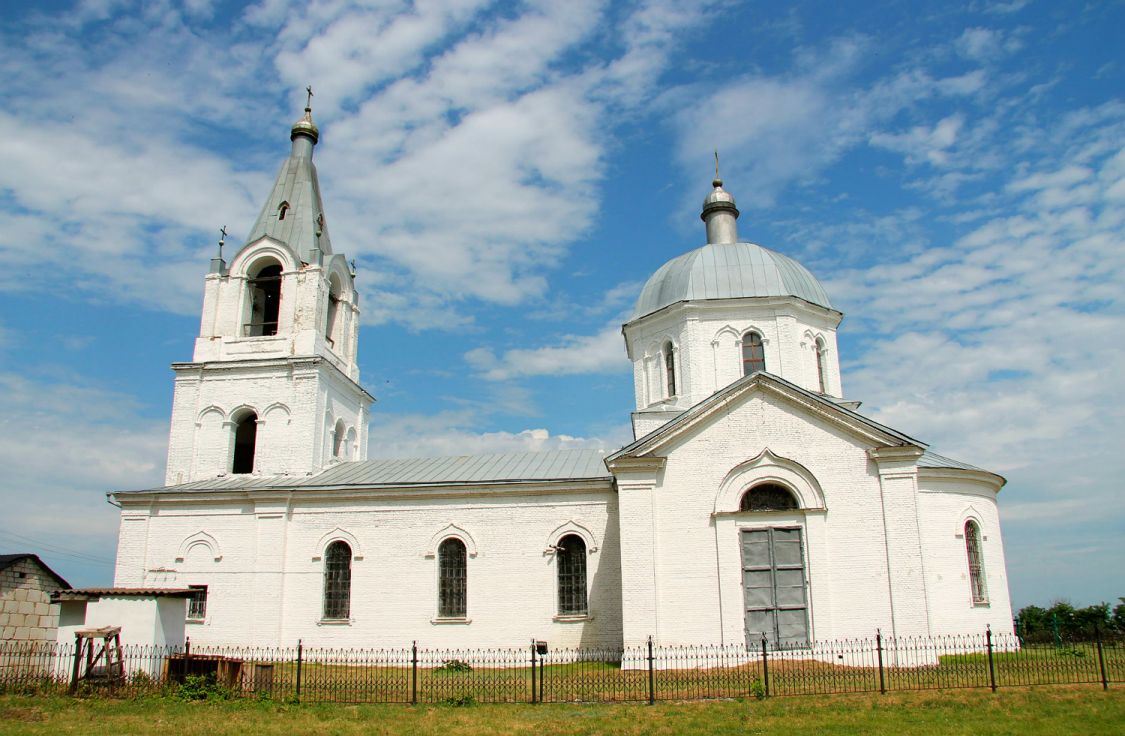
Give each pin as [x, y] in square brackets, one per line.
[26, 611]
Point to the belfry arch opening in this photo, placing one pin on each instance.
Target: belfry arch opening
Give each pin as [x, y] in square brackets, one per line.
[245, 444]
[265, 299]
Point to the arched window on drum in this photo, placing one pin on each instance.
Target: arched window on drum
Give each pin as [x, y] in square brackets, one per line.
[753, 353]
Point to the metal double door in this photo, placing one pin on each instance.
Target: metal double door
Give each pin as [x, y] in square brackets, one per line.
[774, 587]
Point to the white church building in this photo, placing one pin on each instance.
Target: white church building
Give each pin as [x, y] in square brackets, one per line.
[755, 500]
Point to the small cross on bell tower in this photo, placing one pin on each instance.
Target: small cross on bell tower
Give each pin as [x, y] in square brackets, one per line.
[218, 265]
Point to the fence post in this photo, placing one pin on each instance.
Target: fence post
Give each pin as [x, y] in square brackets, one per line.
[765, 669]
[879, 652]
[991, 664]
[77, 664]
[533, 668]
[414, 673]
[187, 649]
[300, 658]
[651, 675]
[1101, 657]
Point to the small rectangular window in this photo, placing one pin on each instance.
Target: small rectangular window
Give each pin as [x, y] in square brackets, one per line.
[197, 604]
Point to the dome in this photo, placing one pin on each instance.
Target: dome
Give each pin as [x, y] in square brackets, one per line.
[728, 271]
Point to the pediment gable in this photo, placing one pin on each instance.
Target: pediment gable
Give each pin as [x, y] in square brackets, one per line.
[801, 401]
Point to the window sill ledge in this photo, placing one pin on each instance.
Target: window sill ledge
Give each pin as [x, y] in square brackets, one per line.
[572, 618]
[446, 621]
[195, 621]
[335, 622]
[981, 604]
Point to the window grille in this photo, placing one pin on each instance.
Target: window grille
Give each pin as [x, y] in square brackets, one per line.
[768, 497]
[976, 563]
[197, 604]
[570, 557]
[669, 370]
[753, 353]
[452, 579]
[337, 581]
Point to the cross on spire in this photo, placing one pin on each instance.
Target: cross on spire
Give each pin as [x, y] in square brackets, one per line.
[716, 163]
[308, 100]
[222, 240]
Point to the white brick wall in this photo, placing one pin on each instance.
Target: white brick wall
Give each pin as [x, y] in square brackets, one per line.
[297, 382]
[707, 337]
[853, 575]
[267, 588]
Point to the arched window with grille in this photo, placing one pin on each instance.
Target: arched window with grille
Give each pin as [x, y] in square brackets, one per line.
[821, 364]
[976, 563]
[669, 371]
[768, 497]
[570, 558]
[753, 353]
[337, 581]
[245, 444]
[452, 579]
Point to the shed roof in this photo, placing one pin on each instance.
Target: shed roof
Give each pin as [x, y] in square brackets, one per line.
[87, 594]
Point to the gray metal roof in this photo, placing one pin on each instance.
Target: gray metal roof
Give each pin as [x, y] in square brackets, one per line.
[510, 467]
[934, 460]
[298, 185]
[726, 271]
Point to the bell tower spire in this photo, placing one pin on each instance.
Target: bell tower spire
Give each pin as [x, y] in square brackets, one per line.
[273, 386]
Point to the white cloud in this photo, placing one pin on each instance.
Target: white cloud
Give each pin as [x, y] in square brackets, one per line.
[459, 159]
[600, 353]
[923, 143]
[456, 433]
[984, 44]
[777, 130]
[63, 444]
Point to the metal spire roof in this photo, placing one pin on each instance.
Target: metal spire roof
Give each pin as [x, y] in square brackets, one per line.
[300, 224]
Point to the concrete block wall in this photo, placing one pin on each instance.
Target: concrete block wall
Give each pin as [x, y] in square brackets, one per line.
[26, 611]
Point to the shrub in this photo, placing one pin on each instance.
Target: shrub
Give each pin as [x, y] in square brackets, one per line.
[202, 687]
[454, 665]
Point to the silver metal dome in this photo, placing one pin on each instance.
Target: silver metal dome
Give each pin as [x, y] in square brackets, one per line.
[728, 271]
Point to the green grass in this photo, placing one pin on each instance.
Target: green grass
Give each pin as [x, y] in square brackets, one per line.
[1023, 711]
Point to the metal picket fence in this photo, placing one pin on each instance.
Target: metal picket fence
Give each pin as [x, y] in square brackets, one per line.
[538, 674]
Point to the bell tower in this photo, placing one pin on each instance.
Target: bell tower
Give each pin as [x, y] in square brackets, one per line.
[273, 385]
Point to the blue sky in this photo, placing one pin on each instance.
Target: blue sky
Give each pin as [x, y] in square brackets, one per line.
[508, 174]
